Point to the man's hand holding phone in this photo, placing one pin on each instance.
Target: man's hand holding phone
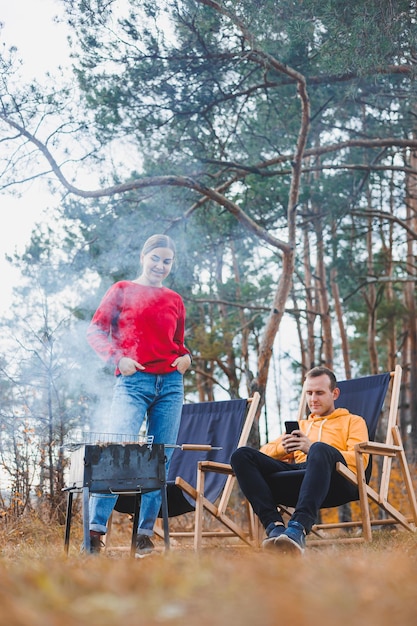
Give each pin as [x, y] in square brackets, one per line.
[291, 426]
[294, 439]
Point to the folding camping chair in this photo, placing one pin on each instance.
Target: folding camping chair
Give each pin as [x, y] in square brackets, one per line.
[362, 396]
[391, 448]
[225, 425]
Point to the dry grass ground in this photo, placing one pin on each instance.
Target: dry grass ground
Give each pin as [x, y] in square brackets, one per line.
[358, 585]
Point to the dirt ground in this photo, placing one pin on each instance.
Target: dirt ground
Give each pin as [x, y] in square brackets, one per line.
[226, 583]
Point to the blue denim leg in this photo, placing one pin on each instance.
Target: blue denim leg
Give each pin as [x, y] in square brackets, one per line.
[101, 506]
[160, 397]
[163, 421]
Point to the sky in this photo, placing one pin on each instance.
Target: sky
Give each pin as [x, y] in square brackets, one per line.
[42, 45]
[41, 42]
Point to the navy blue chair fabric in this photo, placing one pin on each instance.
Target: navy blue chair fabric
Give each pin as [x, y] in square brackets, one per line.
[216, 423]
[361, 396]
[364, 396]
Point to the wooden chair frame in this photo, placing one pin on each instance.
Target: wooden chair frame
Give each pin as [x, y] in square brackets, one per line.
[219, 510]
[390, 449]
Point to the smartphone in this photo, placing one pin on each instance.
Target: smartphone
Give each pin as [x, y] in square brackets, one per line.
[290, 426]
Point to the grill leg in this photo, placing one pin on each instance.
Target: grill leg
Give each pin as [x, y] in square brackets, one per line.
[164, 507]
[68, 522]
[86, 520]
[135, 525]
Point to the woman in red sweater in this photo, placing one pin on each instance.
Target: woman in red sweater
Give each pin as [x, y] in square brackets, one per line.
[139, 328]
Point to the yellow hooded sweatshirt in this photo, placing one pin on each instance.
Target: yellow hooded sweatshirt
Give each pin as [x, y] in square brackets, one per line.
[340, 429]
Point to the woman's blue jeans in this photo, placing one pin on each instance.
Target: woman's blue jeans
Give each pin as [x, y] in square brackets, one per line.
[159, 398]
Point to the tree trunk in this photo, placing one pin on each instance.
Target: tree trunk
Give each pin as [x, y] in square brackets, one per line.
[410, 302]
[340, 322]
[322, 297]
[370, 295]
[311, 309]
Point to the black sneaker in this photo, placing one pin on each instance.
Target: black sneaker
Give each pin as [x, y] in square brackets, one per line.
[144, 546]
[96, 543]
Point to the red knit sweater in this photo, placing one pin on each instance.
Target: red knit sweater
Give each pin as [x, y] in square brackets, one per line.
[144, 323]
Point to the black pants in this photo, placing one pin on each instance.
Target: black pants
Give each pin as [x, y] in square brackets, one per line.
[267, 482]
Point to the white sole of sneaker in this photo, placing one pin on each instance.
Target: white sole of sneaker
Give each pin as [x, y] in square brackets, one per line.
[144, 555]
[287, 545]
[269, 543]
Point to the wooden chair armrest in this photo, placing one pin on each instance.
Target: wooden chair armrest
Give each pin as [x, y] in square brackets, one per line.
[381, 449]
[346, 472]
[185, 486]
[214, 466]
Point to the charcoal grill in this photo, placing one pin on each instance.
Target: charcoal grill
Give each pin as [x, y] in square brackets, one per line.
[116, 468]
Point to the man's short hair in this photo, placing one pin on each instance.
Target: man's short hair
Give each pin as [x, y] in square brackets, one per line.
[320, 370]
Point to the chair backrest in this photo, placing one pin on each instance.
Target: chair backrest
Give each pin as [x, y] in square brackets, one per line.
[215, 423]
[362, 396]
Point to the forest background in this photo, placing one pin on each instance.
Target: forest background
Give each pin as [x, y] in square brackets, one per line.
[276, 143]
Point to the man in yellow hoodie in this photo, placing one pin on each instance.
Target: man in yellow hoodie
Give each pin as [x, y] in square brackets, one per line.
[325, 438]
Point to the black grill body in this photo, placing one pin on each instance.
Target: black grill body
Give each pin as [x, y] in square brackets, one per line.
[114, 468]
[118, 468]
